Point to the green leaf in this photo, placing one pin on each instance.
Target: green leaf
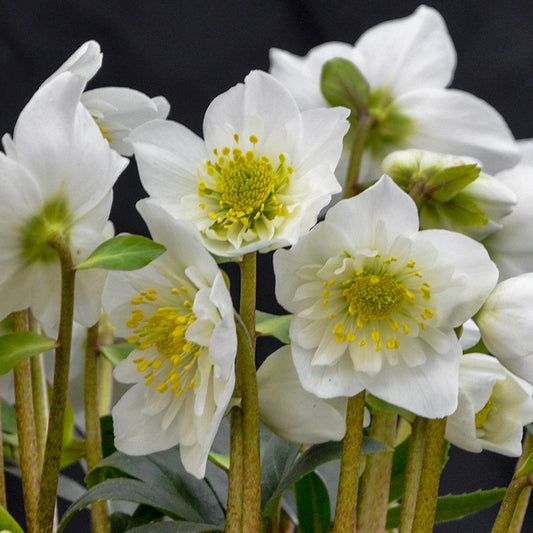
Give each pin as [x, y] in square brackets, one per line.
[273, 325]
[526, 468]
[399, 462]
[14, 347]
[220, 460]
[124, 252]
[312, 500]
[376, 403]
[342, 84]
[9, 418]
[108, 436]
[454, 507]
[462, 210]
[115, 353]
[8, 523]
[444, 185]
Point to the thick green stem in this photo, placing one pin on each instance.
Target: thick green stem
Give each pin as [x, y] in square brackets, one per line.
[54, 441]
[426, 502]
[251, 502]
[364, 126]
[346, 509]
[375, 483]
[29, 453]
[413, 469]
[100, 520]
[523, 500]
[106, 336]
[236, 474]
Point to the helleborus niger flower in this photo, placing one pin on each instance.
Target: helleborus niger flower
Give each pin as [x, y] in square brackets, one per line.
[506, 324]
[290, 411]
[116, 110]
[260, 176]
[178, 313]
[450, 193]
[493, 407]
[408, 63]
[375, 302]
[56, 179]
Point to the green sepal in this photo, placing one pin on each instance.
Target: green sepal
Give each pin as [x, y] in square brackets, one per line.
[14, 347]
[444, 185]
[8, 523]
[462, 210]
[454, 507]
[273, 325]
[115, 353]
[312, 501]
[342, 84]
[124, 252]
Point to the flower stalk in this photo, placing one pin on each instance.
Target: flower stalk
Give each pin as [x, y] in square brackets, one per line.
[346, 509]
[54, 441]
[364, 125]
[523, 500]
[40, 402]
[236, 473]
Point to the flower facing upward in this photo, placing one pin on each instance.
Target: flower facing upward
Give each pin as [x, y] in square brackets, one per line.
[375, 302]
[178, 313]
[260, 178]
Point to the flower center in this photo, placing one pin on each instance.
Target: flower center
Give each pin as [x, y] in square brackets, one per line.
[243, 187]
[373, 297]
[165, 329]
[55, 218]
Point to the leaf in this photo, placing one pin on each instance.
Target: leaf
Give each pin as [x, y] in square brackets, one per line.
[399, 462]
[9, 418]
[454, 507]
[444, 185]
[462, 210]
[175, 527]
[115, 353]
[220, 460]
[14, 347]
[273, 325]
[8, 523]
[124, 252]
[376, 403]
[312, 500]
[342, 84]
[526, 468]
[108, 436]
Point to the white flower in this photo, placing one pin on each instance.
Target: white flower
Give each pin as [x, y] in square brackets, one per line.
[375, 302]
[56, 179]
[260, 177]
[408, 64]
[116, 110]
[178, 312]
[506, 324]
[493, 407]
[511, 248]
[473, 209]
[290, 411]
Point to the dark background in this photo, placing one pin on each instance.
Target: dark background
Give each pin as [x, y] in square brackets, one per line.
[190, 52]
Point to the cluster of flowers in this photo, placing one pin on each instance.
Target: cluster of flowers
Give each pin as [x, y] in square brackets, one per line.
[386, 293]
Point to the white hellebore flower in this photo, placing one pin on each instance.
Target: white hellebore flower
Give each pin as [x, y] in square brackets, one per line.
[260, 176]
[178, 312]
[506, 324]
[116, 110]
[57, 179]
[375, 302]
[493, 407]
[290, 411]
[408, 63]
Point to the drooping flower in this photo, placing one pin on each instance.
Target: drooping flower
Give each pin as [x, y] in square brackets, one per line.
[408, 63]
[506, 324]
[493, 407]
[178, 313]
[375, 302]
[116, 110]
[56, 179]
[450, 193]
[260, 177]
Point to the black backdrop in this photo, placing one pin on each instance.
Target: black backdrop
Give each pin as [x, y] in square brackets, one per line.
[190, 52]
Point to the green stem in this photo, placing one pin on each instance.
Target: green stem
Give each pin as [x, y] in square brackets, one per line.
[29, 453]
[100, 520]
[346, 509]
[364, 125]
[375, 483]
[523, 500]
[106, 336]
[54, 441]
[426, 502]
[413, 469]
[235, 483]
[251, 502]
